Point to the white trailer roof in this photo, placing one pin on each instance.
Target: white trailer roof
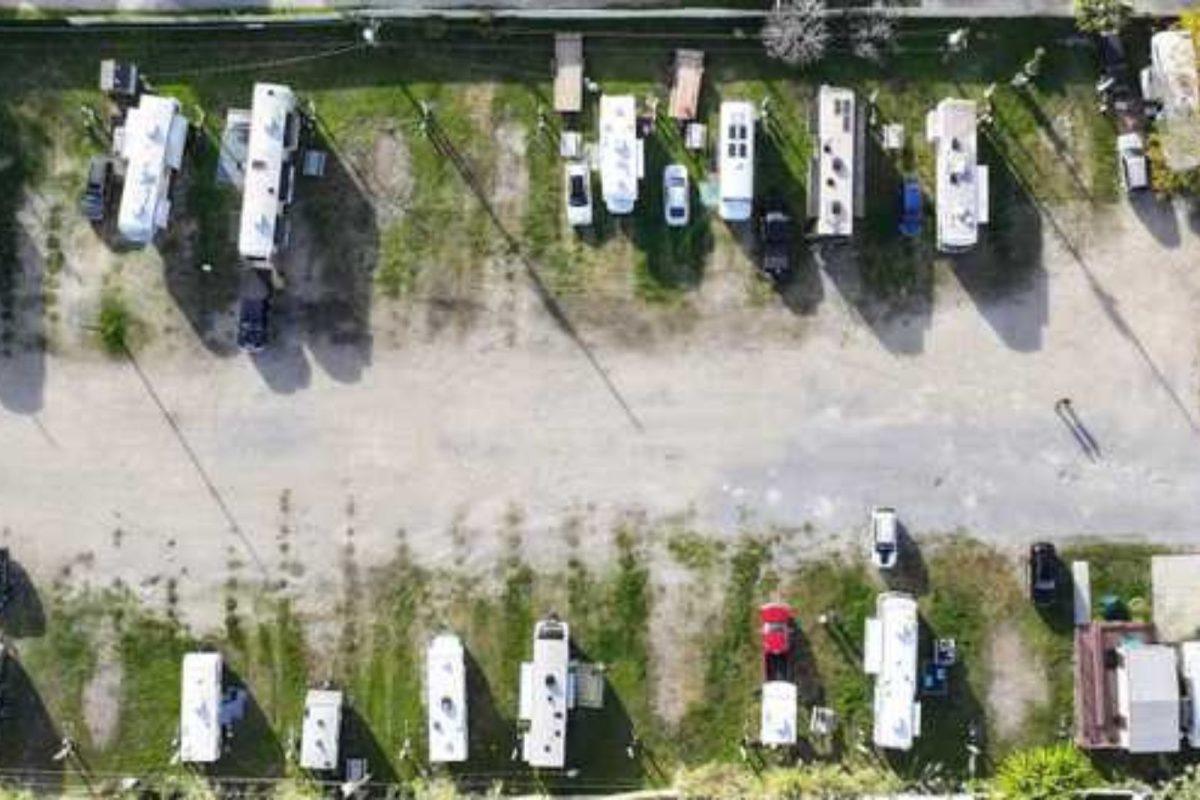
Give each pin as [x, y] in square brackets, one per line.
[779, 710]
[272, 141]
[200, 709]
[962, 184]
[620, 153]
[832, 187]
[446, 698]
[544, 696]
[890, 653]
[152, 143]
[321, 734]
[735, 167]
[1175, 83]
[1148, 698]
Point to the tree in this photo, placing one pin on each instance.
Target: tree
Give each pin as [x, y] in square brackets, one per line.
[1101, 16]
[796, 32]
[1045, 773]
[873, 35]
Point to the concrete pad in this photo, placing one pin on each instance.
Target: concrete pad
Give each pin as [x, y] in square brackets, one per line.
[1176, 593]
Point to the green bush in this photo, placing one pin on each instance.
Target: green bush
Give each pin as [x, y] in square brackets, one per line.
[115, 324]
[1101, 16]
[1045, 773]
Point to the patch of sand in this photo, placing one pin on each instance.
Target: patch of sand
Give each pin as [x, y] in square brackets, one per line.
[1017, 682]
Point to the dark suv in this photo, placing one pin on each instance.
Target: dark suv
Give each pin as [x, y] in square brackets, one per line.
[254, 309]
[93, 204]
[1043, 574]
[775, 234]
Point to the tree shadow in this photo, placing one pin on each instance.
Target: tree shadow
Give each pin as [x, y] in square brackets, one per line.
[29, 736]
[254, 747]
[23, 615]
[1004, 275]
[22, 323]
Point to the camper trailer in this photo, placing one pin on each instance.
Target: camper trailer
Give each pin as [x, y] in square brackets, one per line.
[890, 654]
[962, 184]
[200, 708]
[834, 176]
[621, 157]
[544, 700]
[735, 165]
[446, 699]
[320, 737]
[151, 144]
[270, 173]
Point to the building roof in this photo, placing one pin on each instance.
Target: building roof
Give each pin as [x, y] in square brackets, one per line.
[1148, 698]
[544, 696]
[962, 184]
[200, 709]
[273, 138]
[685, 88]
[779, 711]
[735, 165]
[321, 734]
[890, 653]
[620, 153]
[152, 143]
[568, 73]
[446, 698]
[834, 161]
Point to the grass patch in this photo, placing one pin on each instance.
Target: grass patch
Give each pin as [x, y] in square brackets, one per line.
[1118, 570]
[116, 323]
[695, 551]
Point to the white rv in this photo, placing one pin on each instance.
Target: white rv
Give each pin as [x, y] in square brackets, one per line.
[962, 183]
[151, 142]
[545, 699]
[621, 156]
[735, 166]
[1171, 81]
[200, 708]
[320, 737]
[890, 654]
[833, 177]
[446, 699]
[270, 172]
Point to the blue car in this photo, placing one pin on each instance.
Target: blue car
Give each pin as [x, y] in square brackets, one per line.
[910, 208]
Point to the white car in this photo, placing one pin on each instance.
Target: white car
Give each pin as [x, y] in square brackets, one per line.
[1131, 159]
[884, 544]
[676, 202]
[577, 187]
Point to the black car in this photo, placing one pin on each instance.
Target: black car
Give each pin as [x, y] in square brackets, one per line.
[1043, 574]
[96, 193]
[254, 310]
[775, 234]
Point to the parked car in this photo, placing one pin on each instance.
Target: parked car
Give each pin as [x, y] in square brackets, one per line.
[578, 188]
[254, 310]
[676, 201]
[778, 626]
[93, 204]
[911, 201]
[1132, 162]
[1043, 573]
[885, 544]
[775, 233]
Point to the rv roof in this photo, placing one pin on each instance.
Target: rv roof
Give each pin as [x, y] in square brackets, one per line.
[779, 710]
[322, 729]
[545, 701]
[894, 650]
[620, 153]
[961, 182]
[833, 163]
[735, 166]
[200, 709]
[155, 133]
[265, 156]
[446, 699]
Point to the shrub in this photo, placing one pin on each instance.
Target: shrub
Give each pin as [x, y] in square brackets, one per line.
[115, 324]
[1101, 16]
[1045, 773]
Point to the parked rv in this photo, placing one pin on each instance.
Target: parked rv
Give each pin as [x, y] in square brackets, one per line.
[735, 168]
[779, 691]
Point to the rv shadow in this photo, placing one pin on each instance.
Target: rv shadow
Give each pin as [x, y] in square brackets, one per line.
[491, 735]
[254, 748]
[23, 615]
[1004, 275]
[22, 325]
[198, 249]
[358, 741]
[29, 737]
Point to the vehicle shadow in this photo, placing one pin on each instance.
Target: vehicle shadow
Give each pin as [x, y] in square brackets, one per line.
[1004, 275]
[490, 734]
[1158, 216]
[29, 736]
[910, 573]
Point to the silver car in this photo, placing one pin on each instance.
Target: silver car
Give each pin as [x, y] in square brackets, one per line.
[676, 202]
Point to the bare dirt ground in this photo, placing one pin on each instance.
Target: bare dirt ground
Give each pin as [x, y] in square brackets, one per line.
[755, 413]
[1017, 681]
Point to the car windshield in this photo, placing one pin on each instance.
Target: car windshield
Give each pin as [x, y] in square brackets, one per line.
[676, 212]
